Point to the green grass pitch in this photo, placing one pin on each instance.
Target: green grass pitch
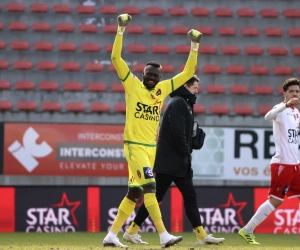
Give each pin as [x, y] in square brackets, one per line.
[93, 241]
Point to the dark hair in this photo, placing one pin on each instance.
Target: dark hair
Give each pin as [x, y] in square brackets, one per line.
[290, 82]
[191, 81]
[154, 64]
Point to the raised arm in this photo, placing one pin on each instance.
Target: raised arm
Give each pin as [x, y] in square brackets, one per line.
[190, 66]
[120, 65]
[273, 113]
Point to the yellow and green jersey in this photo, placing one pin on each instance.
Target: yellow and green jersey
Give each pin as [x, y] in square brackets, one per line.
[143, 106]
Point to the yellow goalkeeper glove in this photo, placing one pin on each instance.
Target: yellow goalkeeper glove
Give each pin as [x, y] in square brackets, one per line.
[195, 37]
[123, 21]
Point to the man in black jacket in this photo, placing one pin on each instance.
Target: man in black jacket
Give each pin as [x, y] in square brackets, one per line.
[173, 162]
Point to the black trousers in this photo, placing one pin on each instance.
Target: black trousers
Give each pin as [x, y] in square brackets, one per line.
[185, 186]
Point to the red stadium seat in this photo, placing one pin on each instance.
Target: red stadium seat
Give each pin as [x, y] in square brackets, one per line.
[223, 12]
[62, 8]
[5, 105]
[167, 68]
[110, 28]
[219, 109]
[198, 11]
[262, 110]
[269, 13]
[273, 31]
[227, 31]
[94, 67]
[72, 86]
[243, 110]
[43, 46]
[235, 69]
[157, 30]
[90, 47]
[99, 107]
[212, 69]
[298, 71]
[259, 70]
[239, 89]
[207, 49]
[88, 28]
[263, 90]
[131, 10]
[19, 45]
[215, 89]
[96, 87]
[180, 30]
[39, 8]
[67, 46]
[117, 87]
[48, 86]
[24, 85]
[47, 65]
[4, 85]
[182, 49]
[160, 49]
[85, 9]
[17, 26]
[296, 51]
[41, 27]
[135, 29]
[294, 32]
[230, 50]
[2, 45]
[277, 51]
[75, 107]
[283, 70]
[250, 31]
[246, 12]
[3, 64]
[253, 50]
[291, 13]
[15, 7]
[137, 48]
[177, 11]
[154, 11]
[279, 90]
[139, 67]
[181, 67]
[1, 26]
[70, 66]
[64, 27]
[199, 109]
[111, 68]
[51, 106]
[120, 108]
[22, 65]
[205, 30]
[108, 9]
[27, 106]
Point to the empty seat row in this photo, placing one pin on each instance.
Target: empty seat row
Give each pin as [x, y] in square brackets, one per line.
[139, 67]
[155, 29]
[26, 85]
[157, 49]
[54, 106]
[153, 10]
[102, 107]
[50, 66]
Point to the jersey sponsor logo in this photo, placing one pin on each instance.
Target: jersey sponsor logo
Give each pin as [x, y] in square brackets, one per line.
[158, 92]
[293, 136]
[148, 174]
[147, 112]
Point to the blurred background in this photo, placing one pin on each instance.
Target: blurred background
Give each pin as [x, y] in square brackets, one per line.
[62, 106]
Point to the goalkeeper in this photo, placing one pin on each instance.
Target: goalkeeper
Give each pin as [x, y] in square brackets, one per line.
[144, 100]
